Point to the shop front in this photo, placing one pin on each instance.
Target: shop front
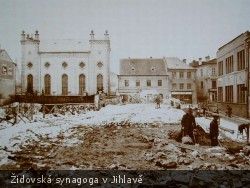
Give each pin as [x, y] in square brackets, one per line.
[185, 97]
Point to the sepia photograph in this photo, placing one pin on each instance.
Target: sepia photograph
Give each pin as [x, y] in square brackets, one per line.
[125, 93]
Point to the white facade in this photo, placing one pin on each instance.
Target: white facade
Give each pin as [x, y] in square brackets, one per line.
[233, 75]
[142, 80]
[66, 72]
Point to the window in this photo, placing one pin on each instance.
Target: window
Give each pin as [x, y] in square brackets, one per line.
[4, 69]
[47, 64]
[100, 64]
[10, 71]
[82, 65]
[241, 60]
[148, 83]
[229, 64]
[213, 72]
[220, 94]
[241, 93]
[214, 85]
[99, 82]
[173, 74]
[174, 86]
[181, 86]
[65, 84]
[159, 83]
[181, 74]
[47, 84]
[30, 83]
[126, 83]
[81, 84]
[220, 68]
[64, 64]
[30, 65]
[137, 83]
[229, 93]
[201, 84]
[188, 74]
[201, 71]
[189, 86]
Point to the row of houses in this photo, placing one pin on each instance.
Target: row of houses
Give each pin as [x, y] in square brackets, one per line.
[85, 70]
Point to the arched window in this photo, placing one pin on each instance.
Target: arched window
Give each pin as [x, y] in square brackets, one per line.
[65, 84]
[99, 82]
[81, 84]
[47, 84]
[30, 84]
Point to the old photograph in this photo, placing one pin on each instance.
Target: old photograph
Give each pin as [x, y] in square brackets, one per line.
[126, 85]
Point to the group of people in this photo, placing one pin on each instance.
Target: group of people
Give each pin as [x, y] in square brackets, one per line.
[188, 127]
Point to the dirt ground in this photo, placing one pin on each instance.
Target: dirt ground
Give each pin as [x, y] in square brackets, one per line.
[124, 147]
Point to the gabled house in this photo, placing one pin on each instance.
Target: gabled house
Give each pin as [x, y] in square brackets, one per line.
[142, 79]
[7, 77]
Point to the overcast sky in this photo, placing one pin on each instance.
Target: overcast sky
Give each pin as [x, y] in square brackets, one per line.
[187, 29]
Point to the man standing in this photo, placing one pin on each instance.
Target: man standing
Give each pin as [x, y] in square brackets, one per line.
[158, 101]
[214, 130]
[188, 124]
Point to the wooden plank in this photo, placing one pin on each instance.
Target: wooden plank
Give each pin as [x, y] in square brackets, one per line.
[226, 129]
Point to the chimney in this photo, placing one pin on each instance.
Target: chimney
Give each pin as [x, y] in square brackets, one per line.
[200, 61]
[184, 60]
[207, 58]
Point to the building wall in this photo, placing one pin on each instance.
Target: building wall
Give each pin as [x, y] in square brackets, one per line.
[132, 89]
[30, 54]
[99, 52]
[205, 75]
[7, 77]
[177, 80]
[113, 83]
[56, 70]
[234, 78]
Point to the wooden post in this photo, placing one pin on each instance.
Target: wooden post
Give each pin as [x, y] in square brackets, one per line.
[248, 133]
[43, 109]
[14, 111]
[31, 110]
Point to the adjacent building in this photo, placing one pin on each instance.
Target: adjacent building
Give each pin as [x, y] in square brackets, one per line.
[147, 78]
[182, 84]
[7, 77]
[233, 75]
[65, 67]
[206, 79]
[142, 79]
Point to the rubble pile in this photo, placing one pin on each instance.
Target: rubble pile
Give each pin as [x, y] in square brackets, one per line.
[201, 137]
[126, 146]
